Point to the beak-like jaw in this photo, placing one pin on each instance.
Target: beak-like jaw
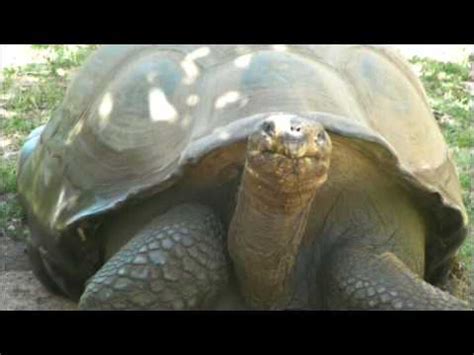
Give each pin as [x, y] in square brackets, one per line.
[294, 146]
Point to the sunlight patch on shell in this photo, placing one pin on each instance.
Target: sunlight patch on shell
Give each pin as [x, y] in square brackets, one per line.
[75, 131]
[59, 202]
[280, 47]
[160, 108]
[226, 99]
[223, 135]
[201, 52]
[192, 100]
[106, 105]
[190, 68]
[243, 61]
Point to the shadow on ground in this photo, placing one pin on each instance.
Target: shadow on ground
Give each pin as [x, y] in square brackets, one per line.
[21, 290]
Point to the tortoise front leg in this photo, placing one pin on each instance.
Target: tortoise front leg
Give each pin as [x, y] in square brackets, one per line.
[177, 261]
[360, 278]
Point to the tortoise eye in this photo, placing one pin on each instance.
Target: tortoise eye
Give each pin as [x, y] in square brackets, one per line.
[268, 127]
[321, 138]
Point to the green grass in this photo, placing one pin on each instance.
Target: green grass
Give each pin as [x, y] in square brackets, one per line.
[31, 92]
[448, 95]
[8, 176]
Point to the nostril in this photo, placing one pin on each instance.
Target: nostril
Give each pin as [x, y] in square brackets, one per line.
[295, 128]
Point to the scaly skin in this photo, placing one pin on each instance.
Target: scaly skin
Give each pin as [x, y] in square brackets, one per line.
[361, 279]
[264, 248]
[177, 261]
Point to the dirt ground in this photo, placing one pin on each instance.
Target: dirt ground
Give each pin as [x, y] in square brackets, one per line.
[20, 290]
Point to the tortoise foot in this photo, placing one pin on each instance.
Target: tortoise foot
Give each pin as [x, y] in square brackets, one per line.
[177, 261]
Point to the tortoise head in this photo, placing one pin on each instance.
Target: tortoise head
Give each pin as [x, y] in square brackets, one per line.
[290, 152]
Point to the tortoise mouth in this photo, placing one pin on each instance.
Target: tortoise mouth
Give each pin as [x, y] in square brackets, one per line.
[270, 154]
[281, 172]
[280, 164]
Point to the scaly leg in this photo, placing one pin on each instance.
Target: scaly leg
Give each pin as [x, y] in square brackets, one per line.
[360, 278]
[177, 261]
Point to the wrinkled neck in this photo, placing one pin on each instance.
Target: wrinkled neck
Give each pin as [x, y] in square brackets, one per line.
[265, 234]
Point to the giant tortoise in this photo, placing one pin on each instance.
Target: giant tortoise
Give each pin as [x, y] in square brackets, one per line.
[236, 177]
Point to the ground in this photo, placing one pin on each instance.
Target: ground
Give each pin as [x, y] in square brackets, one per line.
[33, 80]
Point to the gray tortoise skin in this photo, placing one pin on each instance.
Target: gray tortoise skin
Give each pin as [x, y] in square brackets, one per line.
[139, 190]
